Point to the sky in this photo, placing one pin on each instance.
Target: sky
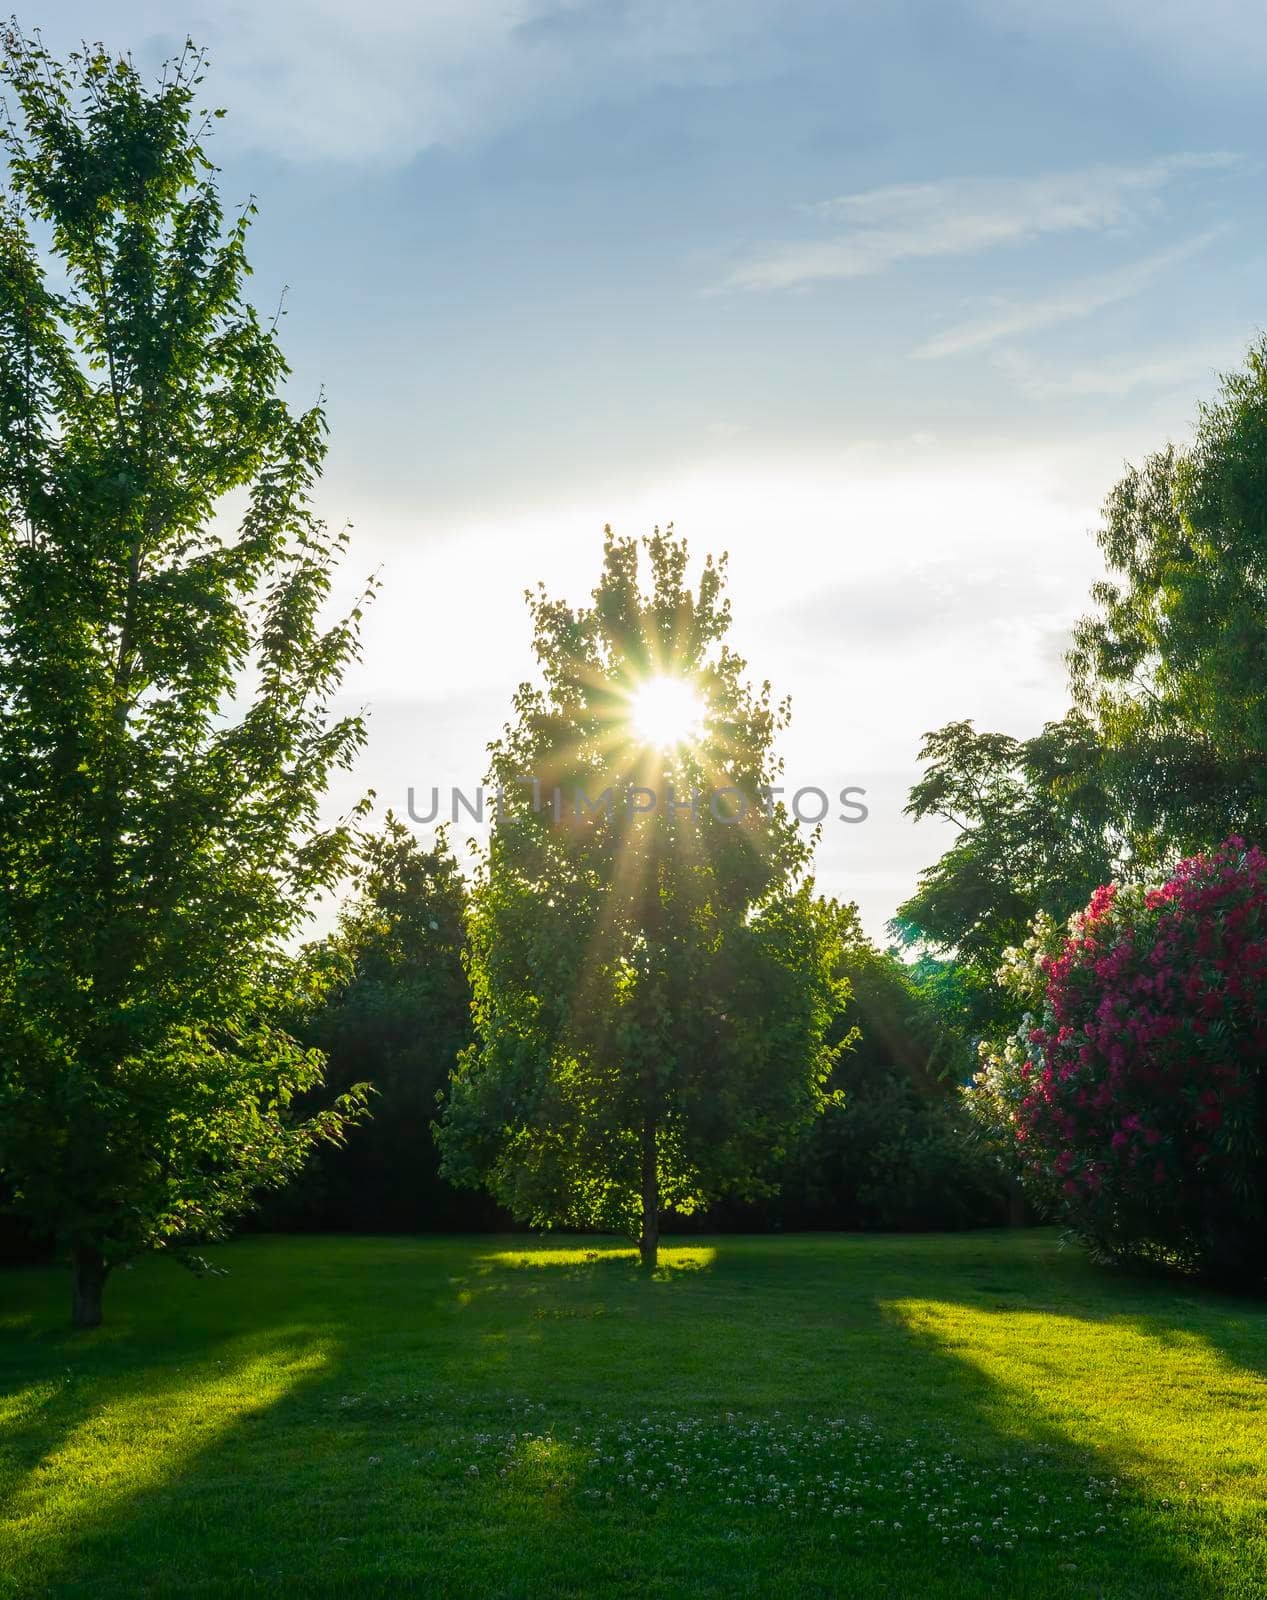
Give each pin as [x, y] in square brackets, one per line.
[879, 297]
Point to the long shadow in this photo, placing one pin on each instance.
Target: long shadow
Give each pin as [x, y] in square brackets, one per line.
[340, 1381]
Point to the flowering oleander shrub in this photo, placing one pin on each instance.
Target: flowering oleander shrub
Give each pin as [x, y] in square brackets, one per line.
[1135, 1092]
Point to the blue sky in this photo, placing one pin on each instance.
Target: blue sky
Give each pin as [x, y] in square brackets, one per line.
[879, 297]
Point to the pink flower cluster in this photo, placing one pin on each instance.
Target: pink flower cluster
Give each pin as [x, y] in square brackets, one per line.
[1144, 1090]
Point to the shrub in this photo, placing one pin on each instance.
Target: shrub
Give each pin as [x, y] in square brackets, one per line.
[898, 1153]
[894, 1158]
[1136, 1098]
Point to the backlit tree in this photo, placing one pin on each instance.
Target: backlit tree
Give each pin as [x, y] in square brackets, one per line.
[653, 977]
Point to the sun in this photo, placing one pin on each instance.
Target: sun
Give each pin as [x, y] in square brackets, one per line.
[666, 711]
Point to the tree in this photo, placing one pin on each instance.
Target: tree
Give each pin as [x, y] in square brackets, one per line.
[1035, 832]
[394, 1011]
[1173, 662]
[652, 974]
[895, 1151]
[164, 681]
[1166, 747]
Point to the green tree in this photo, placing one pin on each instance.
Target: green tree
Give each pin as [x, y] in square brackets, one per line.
[1038, 830]
[394, 1011]
[653, 988]
[1172, 664]
[1165, 751]
[896, 1150]
[164, 681]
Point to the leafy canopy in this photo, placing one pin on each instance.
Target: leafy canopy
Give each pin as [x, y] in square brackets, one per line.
[1173, 662]
[653, 988]
[394, 1009]
[165, 676]
[1166, 747]
[1037, 830]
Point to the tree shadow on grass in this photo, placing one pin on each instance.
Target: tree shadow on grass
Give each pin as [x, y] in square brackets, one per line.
[312, 1431]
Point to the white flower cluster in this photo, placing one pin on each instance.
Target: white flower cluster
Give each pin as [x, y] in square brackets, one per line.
[841, 1484]
[998, 1086]
[843, 1477]
[1020, 971]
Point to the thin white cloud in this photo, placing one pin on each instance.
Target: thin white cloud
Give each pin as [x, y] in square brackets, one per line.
[1069, 304]
[962, 216]
[322, 81]
[1188, 367]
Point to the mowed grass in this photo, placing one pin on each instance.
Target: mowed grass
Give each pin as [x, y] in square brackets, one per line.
[800, 1416]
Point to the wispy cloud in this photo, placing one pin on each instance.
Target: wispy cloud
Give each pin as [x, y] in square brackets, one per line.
[961, 216]
[1185, 368]
[1069, 304]
[319, 80]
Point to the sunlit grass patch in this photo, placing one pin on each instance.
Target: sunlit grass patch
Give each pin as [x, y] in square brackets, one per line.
[136, 1437]
[673, 1258]
[1133, 1391]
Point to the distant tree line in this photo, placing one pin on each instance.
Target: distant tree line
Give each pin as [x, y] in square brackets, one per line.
[889, 1151]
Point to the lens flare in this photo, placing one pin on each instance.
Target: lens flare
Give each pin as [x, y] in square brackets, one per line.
[666, 711]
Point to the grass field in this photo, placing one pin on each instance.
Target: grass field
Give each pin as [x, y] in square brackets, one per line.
[802, 1416]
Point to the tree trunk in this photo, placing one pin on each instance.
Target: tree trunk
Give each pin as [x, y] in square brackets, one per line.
[649, 1243]
[1017, 1206]
[87, 1284]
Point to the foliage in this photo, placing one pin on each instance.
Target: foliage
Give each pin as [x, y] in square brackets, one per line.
[896, 1152]
[1166, 747]
[653, 989]
[1173, 663]
[1036, 832]
[1137, 1094]
[395, 1011]
[891, 1158]
[164, 681]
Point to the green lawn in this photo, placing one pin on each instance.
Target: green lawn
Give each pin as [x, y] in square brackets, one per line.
[814, 1415]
